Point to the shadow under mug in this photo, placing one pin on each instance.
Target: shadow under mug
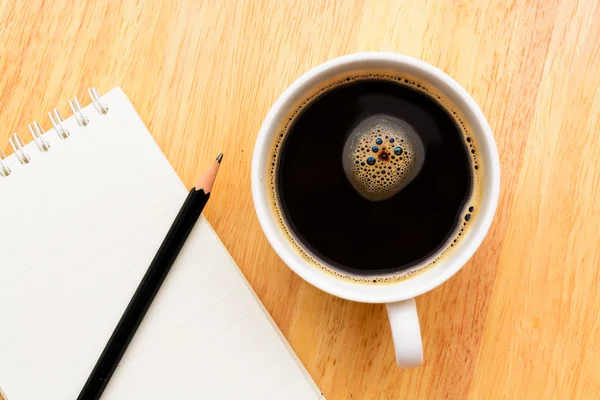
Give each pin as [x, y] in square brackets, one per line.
[398, 296]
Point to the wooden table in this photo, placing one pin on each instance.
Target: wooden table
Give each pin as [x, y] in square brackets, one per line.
[521, 319]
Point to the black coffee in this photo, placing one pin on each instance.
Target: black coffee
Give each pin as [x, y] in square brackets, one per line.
[374, 177]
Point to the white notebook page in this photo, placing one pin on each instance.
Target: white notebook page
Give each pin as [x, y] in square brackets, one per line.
[79, 226]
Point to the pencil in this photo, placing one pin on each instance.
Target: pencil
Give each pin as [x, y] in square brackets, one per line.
[155, 275]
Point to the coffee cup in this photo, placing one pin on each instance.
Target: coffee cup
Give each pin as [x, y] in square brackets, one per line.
[397, 289]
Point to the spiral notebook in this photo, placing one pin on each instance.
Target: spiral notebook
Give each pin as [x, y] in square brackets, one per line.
[83, 208]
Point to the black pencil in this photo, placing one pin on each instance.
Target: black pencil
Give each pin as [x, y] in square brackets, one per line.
[150, 284]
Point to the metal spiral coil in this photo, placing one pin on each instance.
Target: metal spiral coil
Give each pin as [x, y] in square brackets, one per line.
[37, 132]
[4, 170]
[75, 105]
[17, 144]
[57, 121]
[102, 108]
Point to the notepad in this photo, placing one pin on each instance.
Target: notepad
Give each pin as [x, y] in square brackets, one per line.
[79, 226]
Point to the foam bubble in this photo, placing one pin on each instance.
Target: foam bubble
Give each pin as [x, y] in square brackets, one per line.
[386, 137]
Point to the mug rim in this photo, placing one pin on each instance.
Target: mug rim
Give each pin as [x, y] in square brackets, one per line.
[382, 292]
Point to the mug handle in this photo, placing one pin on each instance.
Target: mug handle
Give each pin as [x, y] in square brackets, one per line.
[406, 333]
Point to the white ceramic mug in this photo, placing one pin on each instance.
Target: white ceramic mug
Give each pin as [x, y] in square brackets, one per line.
[398, 296]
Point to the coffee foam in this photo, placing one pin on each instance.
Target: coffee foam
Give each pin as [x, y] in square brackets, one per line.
[382, 155]
[409, 168]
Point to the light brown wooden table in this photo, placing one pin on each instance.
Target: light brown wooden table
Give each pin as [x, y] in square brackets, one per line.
[521, 319]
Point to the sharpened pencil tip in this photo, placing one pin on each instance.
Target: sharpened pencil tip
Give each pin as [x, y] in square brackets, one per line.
[207, 179]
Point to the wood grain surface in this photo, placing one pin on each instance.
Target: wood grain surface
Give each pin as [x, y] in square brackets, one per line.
[521, 320]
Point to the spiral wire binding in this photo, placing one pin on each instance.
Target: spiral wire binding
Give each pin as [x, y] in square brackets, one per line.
[37, 131]
[75, 105]
[57, 121]
[4, 170]
[17, 144]
[102, 108]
